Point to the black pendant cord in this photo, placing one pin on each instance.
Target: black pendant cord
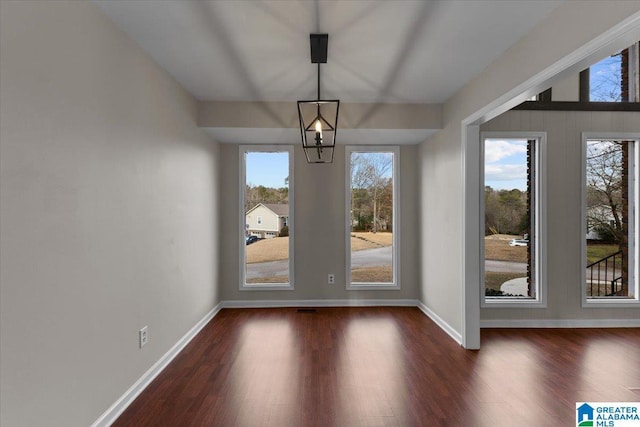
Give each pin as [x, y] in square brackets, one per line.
[318, 81]
[319, 141]
[318, 89]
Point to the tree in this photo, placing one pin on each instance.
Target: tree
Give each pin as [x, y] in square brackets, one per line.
[505, 211]
[605, 204]
[607, 196]
[261, 194]
[371, 172]
[361, 213]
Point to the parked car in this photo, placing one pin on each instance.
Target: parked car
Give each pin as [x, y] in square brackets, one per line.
[519, 242]
[251, 239]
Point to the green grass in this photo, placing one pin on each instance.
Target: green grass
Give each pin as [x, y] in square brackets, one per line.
[599, 251]
[494, 280]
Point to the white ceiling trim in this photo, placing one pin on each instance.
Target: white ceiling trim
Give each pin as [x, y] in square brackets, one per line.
[270, 136]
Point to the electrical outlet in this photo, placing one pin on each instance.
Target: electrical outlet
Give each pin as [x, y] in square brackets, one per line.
[143, 334]
[331, 279]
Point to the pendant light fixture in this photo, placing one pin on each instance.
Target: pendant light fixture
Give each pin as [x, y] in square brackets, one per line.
[318, 118]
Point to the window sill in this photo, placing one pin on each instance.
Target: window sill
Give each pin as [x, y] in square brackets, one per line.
[267, 287]
[372, 287]
[611, 303]
[512, 303]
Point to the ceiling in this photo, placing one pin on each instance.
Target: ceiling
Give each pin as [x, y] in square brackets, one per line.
[379, 51]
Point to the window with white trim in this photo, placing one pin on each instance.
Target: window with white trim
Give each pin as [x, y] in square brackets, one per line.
[610, 192]
[512, 218]
[266, 195]
[372, 217]
[614, 78]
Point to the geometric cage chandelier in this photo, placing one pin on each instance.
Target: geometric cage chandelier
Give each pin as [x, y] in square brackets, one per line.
[318, 117]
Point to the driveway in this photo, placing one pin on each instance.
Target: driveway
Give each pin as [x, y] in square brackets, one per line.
[505, 266]
[372, 257]
[267, 269]
[366, 258]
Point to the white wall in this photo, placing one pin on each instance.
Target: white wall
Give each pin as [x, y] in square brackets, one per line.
[567, 89]
[108, 218]
[564, 228]
[440, 228]
[448, 166]
[320, 230]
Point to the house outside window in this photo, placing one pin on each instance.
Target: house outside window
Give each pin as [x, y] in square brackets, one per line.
[266, 202]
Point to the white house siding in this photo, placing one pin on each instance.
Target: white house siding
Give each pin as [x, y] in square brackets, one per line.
[271, 223]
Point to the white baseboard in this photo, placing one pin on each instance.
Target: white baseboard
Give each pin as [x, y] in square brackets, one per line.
[111, 414]
[350, 303]
[441, 323]
[321, 303]
[561, 323]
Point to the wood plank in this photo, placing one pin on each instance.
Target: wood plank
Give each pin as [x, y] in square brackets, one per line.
[388, 366]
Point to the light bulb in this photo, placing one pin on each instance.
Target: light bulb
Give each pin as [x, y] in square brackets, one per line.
[318, 132]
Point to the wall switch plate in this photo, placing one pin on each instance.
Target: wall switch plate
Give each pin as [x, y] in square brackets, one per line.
[143, 334]
[331, 279]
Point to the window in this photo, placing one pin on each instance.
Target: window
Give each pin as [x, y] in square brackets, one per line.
[605, 80]
[610, 190]
[372, 218]
[513, 219]
[613, 79]
[266, 179]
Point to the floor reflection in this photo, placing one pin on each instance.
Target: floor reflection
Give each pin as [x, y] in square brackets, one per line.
[383, 367]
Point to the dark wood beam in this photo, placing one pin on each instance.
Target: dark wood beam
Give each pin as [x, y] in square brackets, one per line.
[578, 106]
[584, 86]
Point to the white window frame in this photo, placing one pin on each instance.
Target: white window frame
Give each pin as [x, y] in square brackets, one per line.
[258, 218]
[244, 286]
[395, 284]
[634, 226]
[632, 73]
[539, 228]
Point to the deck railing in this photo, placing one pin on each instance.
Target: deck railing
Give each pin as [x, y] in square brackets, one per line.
[604, 277]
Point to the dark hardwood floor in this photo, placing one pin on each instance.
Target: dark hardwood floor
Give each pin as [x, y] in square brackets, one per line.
[383, 367]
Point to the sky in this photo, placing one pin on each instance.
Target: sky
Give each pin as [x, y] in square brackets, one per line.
[505, 164]
[506, 159]
[267, 169]
[271, 169]
[604, 79]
